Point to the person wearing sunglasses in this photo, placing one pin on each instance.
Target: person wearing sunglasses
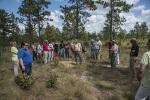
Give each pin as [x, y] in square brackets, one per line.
[25, 59]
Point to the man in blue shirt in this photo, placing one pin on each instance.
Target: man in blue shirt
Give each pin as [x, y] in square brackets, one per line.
[25, 59]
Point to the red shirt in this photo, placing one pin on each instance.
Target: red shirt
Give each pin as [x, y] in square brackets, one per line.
[109, 45]
[45, 47]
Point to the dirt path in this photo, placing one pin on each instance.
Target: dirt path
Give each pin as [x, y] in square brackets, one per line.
[68, 63]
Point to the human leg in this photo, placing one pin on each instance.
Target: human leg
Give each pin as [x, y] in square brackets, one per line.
[142, 93]
[16, 65]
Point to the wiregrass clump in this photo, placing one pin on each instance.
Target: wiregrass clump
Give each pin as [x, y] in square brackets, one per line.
[52, 80]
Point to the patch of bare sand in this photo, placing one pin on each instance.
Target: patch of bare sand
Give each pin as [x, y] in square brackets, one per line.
[68, 63]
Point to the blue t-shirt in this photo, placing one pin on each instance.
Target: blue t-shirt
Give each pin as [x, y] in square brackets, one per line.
[25, 55]
[92, 46]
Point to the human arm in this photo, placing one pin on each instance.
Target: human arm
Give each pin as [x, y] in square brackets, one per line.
[133, 49]
[113, 49]
[21, 63]
[144, 62]
[140, 71]
[14, 50]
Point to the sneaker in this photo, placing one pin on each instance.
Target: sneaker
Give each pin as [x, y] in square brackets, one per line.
[45, 63]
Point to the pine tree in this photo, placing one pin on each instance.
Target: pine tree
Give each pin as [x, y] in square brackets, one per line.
[78, 8]
[114, 21]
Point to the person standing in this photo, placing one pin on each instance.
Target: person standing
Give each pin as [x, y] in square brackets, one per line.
[39, 51]
[72, 48]
[77, 49]
[143, 75]
[118, 52]
[133, 56]
[45, 51]
[62, 49]
[14, 53]
[83, 50]
[98, 47]
[51, 49]
[113, 54]
[67, 49]
[92, 50]
[25, 59]
[34, 51]
[56, 50]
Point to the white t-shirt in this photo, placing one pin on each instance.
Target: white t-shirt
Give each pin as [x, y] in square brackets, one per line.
[77, 47]
[40, 49]
[51, 48]
[97, 44]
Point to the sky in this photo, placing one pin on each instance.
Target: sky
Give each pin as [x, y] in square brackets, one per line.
[139, 12]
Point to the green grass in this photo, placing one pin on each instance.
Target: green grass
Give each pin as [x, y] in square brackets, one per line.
[89, 81]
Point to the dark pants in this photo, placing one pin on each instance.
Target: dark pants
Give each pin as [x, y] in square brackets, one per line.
[34, 55]
[78, 53]
[92, 54]
[40, 58]
[67, 54]
[28, 69]
[113, 60]
[132, 66]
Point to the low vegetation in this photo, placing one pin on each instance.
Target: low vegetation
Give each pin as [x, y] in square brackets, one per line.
[89, 81]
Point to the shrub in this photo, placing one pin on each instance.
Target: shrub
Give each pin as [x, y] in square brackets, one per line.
[52, 80]
[25, 81]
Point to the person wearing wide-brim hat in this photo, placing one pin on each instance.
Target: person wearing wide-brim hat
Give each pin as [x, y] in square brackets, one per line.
[113, 54]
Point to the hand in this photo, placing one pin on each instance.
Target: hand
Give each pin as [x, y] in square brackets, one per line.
[23, 68]
[139, 77]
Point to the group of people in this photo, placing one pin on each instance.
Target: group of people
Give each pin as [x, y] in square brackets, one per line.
[44, 51]
[49, 51]
[113, 48]
[24, 59]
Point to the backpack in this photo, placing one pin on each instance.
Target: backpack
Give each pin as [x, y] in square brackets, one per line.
[83, 47]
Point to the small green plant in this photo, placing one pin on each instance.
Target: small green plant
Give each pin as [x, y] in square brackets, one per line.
[56, 62]
[25, 81]
[52, 80]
